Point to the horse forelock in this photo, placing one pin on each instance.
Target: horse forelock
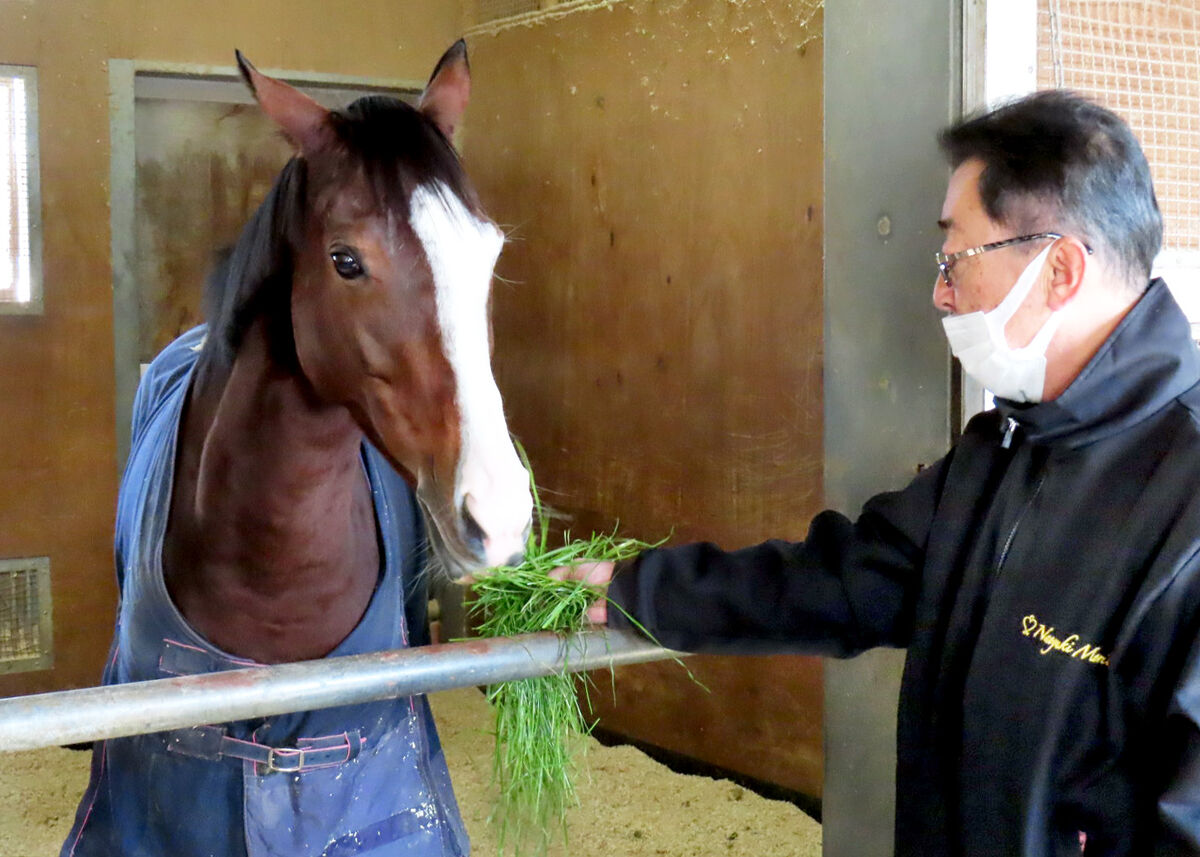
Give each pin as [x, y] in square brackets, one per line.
[397, 150]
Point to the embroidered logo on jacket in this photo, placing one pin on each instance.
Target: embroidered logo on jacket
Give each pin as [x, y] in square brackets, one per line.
[1069, 646]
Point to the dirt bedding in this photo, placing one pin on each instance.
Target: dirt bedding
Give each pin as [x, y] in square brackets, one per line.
[629, 804]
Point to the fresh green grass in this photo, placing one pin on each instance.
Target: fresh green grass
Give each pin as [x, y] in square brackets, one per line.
[539, 721]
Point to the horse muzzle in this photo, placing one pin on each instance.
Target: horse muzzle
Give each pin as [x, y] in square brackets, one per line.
[504, 545]
[468, 542]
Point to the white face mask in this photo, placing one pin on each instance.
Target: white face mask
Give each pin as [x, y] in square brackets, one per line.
[977, 340]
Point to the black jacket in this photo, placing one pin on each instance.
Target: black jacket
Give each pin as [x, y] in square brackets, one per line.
[1048, 591]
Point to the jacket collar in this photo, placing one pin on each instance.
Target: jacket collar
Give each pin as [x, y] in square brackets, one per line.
[1147, 361]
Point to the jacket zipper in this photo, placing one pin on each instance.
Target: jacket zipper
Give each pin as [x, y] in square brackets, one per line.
[1012, 534]
[1010, 428]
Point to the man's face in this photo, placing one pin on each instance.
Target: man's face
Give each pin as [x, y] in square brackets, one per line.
[981, 282]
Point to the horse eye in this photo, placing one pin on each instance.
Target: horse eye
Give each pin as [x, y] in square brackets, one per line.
[348, 267]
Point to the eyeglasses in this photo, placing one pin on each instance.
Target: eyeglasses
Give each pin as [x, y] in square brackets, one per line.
[945, 261]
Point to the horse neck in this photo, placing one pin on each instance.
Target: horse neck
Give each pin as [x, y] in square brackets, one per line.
[279, 489]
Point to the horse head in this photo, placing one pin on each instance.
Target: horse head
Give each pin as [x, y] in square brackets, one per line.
[391, 261]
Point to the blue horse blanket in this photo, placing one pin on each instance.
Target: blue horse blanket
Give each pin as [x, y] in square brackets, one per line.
[362, 779]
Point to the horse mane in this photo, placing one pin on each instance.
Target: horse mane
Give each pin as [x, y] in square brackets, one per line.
[393, 147]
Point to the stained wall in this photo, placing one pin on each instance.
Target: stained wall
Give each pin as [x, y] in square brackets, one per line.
[658, 337]
[659, 329]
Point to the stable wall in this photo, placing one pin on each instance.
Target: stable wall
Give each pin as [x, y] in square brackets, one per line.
[58, 469]
[659, 328]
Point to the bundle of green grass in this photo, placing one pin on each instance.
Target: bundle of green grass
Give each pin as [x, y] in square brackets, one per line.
[539, 722]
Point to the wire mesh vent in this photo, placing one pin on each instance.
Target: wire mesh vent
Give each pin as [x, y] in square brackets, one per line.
[1141, 58]
[26, 638]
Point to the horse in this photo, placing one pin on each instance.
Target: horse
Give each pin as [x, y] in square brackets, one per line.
[298, 463]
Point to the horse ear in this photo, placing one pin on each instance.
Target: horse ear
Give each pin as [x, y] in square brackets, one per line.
[304, 121]
[445, 97]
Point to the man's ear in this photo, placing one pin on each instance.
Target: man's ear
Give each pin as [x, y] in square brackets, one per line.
[1068, 262]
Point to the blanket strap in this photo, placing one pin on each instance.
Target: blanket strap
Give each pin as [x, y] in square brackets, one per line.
[213, 742]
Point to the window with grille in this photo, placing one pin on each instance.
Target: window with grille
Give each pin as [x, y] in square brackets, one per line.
[20, 261]
[1140, 58]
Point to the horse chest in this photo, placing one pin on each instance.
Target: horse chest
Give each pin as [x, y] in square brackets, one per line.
[268, 586]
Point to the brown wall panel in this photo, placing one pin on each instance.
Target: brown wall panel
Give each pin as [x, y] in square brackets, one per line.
[658, 343]
[57, 438]
[660, 348]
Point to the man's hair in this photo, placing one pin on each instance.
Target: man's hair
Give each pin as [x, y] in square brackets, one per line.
[1055, 161]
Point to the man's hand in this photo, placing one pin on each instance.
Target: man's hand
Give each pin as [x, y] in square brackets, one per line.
[596, 574]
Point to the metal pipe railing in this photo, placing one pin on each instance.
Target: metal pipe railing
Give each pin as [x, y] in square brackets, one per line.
[96, 713]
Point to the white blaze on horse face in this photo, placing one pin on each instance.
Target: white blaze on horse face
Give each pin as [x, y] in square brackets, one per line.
[492, 484]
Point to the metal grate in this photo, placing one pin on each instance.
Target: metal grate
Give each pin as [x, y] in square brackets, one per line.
[1140, 58]
[25, 628]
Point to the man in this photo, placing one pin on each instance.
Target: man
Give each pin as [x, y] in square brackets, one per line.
[1044, 575]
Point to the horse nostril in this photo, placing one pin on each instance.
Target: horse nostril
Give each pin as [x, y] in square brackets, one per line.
[516, 559]
[473, 534]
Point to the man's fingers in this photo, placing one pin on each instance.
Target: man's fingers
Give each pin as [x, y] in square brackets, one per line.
[597, 614]
[596, 573]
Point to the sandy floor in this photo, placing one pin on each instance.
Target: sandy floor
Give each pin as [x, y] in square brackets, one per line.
[630, 805]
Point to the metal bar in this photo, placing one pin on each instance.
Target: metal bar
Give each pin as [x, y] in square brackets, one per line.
[97, 713]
